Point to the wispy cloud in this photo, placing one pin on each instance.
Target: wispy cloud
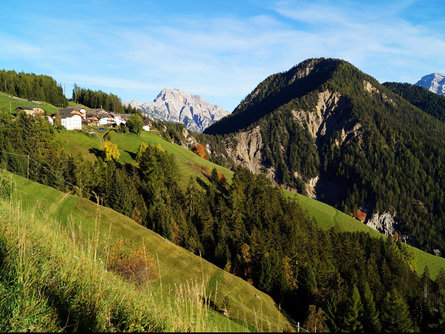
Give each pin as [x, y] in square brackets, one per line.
[220, 56]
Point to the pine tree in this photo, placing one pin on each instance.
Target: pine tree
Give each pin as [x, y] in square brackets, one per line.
[441, 299]
[371, 320]
[395, 314]
[354, 313]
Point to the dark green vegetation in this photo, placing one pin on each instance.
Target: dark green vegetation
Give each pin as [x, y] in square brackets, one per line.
[32, 87]
[97, 99]
[248, 227]
[421, 97]
[374, 150]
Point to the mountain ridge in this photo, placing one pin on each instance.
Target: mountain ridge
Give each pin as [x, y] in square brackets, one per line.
[434, 82]
[178, 106]
[327, 129]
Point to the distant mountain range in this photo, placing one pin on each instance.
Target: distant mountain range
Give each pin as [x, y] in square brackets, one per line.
[175, 105]
[435, 82]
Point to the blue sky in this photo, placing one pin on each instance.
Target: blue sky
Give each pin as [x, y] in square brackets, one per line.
[217, 49]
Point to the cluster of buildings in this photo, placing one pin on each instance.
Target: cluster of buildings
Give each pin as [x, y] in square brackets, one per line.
[73, 118]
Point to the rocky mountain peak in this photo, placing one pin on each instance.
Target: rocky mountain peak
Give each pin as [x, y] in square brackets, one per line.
[434, 82]
[175, 105]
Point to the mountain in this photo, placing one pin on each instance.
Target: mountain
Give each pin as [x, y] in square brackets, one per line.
[435, 82]
[327, 129]
[175, 105]
[421, 97]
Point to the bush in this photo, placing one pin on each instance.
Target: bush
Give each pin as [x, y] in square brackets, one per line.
[7, 185]
[133, 264]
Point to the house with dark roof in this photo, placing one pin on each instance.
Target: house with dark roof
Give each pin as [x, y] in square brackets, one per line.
[71, 117]
[32, 111]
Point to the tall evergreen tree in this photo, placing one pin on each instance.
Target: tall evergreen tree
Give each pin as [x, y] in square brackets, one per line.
[371, 322]
[395, 316]
[352, 321]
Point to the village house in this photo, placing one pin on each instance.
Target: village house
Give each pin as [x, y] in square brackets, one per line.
[32, 111]
[71, 117]
[147, 124]
[105, 119]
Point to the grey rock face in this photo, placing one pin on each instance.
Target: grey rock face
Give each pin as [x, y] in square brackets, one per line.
[434, 82]
[175, 105]
[384, 223]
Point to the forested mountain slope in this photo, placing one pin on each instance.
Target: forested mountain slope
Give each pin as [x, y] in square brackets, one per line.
[327, 129]
[431, 103]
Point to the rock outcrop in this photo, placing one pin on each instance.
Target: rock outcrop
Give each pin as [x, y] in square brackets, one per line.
[247, 150]
[384, 223]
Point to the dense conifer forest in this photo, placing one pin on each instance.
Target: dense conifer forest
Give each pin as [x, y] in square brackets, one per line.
[32, 87]
[97, 99]
[431, 103]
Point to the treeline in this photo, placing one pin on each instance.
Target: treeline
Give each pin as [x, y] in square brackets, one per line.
[335, 281]
[97, 99]
[431, 103]
[33, 87]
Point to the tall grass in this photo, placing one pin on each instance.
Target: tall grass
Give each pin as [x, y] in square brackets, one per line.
[51, 281]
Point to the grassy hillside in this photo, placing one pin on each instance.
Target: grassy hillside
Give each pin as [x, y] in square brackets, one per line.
[6, 101]
[191, 165]
[100, 227]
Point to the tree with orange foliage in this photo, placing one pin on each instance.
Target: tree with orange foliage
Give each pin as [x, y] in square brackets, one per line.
[200, 150]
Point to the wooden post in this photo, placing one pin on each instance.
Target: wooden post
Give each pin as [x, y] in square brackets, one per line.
[298, 327]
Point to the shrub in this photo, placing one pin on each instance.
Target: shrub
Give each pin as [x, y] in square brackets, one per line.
[7, 185]
[133, 264]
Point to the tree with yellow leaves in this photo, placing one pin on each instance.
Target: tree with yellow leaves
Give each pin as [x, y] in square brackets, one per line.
[111, 151]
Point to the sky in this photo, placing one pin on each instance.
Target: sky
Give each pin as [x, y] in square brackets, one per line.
[220, 50]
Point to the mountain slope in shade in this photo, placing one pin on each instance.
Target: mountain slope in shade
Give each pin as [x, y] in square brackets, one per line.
[435, 82]
[175, 105]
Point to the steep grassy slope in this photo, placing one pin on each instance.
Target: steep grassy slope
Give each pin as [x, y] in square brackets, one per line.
[6, 101]
[248, 308]
[190, 165]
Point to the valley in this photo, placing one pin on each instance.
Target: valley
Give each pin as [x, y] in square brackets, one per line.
[250, 248]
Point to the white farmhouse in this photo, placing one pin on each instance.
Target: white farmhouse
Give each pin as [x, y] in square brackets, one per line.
[73, 122]
[71, 117]
[147, 124]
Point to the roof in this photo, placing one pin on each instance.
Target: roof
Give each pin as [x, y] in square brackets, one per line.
[28, 108]
[97, 110]
[104, 115]
[69, 111]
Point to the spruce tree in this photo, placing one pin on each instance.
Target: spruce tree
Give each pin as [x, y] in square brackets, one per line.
[371, 320]
[352, 321]
[395, 314]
